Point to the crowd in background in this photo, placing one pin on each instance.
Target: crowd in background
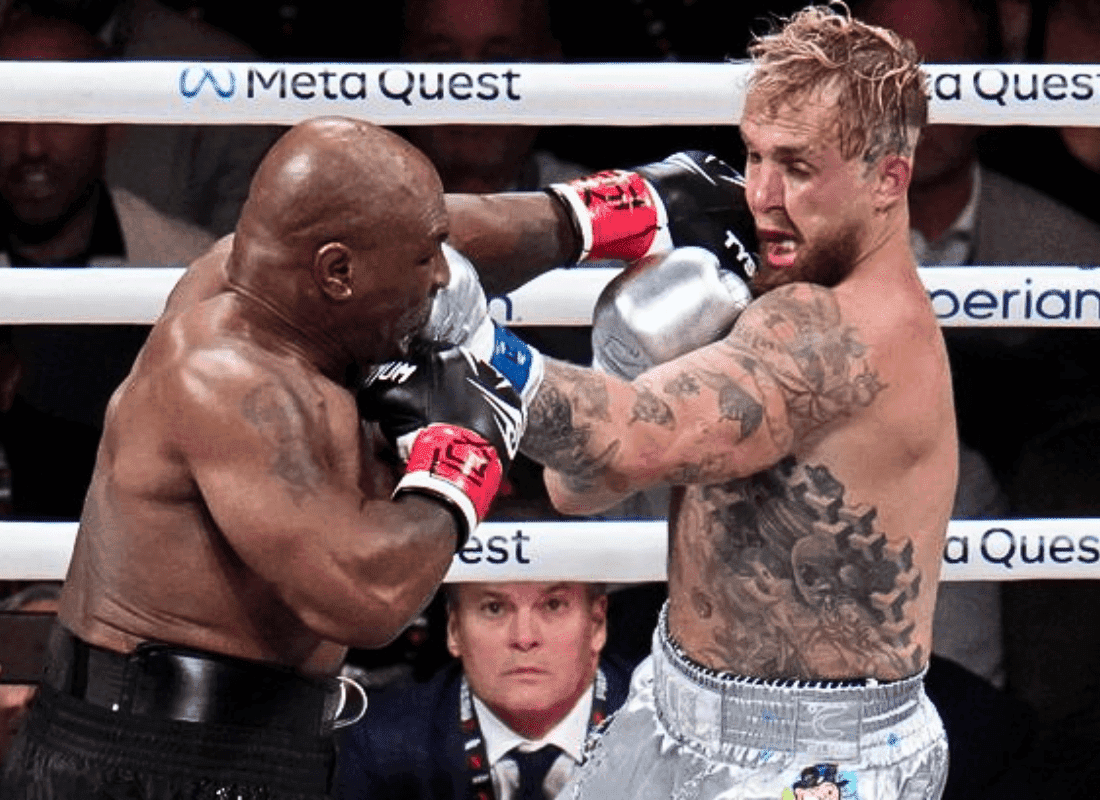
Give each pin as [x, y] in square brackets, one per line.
[1022, 654]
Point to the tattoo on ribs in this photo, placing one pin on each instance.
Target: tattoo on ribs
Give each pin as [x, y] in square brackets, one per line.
[800, 577]
[280, 420]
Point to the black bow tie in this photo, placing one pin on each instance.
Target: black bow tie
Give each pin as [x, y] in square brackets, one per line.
[532, 770]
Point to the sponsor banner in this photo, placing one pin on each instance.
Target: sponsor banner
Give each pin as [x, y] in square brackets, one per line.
[1020, 550]
[994, 296]
[971, 296]
[633, 552]
[171, 92]
[1014, 94]
[974, 296]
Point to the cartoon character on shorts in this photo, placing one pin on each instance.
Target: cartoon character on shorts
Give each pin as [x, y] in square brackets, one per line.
[819, 782]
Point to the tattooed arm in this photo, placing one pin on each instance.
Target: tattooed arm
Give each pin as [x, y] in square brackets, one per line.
[789, 367]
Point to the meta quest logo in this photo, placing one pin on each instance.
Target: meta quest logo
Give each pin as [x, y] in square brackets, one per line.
[222, 82]
[406, 86]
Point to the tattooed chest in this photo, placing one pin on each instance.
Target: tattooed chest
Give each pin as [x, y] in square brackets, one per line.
[780, 575]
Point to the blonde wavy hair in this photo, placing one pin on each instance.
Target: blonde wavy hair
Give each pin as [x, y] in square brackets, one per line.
[882, 102]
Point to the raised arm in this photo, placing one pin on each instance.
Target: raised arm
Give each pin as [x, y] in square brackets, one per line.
[512, 237]
[788, 368]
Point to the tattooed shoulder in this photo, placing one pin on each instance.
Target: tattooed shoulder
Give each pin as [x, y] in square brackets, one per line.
[797, 336]
[281, 419]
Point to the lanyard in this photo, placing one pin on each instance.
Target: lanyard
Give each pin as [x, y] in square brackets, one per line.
[477, 760]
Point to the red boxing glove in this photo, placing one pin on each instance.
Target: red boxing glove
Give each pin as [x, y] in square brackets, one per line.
[457, 465]
[618, 215]
[690, 199]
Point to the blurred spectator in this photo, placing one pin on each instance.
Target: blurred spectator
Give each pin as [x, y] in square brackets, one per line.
[15, 698]
[528, 676]
[1062, 162]
[1009, 382]
[483, 158]
[1053, 652]
[56, 209]
[197, 173]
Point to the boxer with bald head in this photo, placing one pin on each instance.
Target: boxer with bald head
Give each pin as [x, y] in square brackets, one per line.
[244, 526]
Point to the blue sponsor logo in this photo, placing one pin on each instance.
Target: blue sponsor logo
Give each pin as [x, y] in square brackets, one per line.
[221, 81]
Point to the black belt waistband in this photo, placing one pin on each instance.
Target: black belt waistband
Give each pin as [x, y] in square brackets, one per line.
[167, 682]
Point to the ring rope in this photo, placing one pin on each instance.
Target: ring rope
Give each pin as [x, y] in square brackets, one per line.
[603, 94]
[223, 93]
[637, 551]
[971, 296]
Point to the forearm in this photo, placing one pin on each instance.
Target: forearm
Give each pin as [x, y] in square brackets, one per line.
[512, 238]
[582, 429]
[382, 579]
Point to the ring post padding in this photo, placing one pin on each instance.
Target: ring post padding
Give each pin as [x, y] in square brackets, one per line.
[633, 94]
[634, 552]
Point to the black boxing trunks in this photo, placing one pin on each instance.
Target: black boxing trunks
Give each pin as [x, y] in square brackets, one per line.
[165, 723]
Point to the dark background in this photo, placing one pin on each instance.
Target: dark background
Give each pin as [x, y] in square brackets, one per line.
[588, 30]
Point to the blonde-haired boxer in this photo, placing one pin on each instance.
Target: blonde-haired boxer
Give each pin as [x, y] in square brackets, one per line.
[812, 449]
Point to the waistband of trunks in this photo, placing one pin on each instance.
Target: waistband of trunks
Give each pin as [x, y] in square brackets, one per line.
[722, 710]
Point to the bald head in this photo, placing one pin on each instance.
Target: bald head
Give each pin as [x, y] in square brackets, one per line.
[342, 227]
[336, 178]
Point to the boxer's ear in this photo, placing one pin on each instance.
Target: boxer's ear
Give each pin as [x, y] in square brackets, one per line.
[332, 270]
[892, 176]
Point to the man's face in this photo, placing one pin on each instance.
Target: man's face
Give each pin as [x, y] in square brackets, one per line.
[529, 650]
[47, 169]
[811, 207]
[473, 158]
[407, 267]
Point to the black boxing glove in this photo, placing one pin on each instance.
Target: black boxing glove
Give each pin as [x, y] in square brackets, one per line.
[455, 420]
[689, 199]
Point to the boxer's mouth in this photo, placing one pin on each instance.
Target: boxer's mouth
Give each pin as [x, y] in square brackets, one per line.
[778, 248]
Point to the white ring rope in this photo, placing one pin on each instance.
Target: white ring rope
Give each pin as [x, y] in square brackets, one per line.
[220, 93]
[633, 552]
[546, 94]
[972, 296]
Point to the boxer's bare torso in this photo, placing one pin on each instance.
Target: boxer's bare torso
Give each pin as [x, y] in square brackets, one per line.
[239, 505]
[813, 449]
[153, 561]
[826, 564]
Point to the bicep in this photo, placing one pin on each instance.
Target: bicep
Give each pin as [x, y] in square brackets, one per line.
[269, 475]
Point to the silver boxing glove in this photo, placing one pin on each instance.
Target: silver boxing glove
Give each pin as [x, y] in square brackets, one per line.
[460, 316]
[460, 313]
[663, 306]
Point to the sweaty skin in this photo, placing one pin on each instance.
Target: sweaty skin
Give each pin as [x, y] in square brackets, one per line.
[238, 503]
[813, 450]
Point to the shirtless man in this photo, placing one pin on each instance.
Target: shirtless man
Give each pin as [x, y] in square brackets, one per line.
[816, 453]
[812, 450]
[239, 532]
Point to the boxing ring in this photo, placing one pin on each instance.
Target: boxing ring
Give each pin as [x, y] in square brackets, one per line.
[545, 94]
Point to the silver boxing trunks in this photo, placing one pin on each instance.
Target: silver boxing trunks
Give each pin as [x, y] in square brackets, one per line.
[688, 732]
